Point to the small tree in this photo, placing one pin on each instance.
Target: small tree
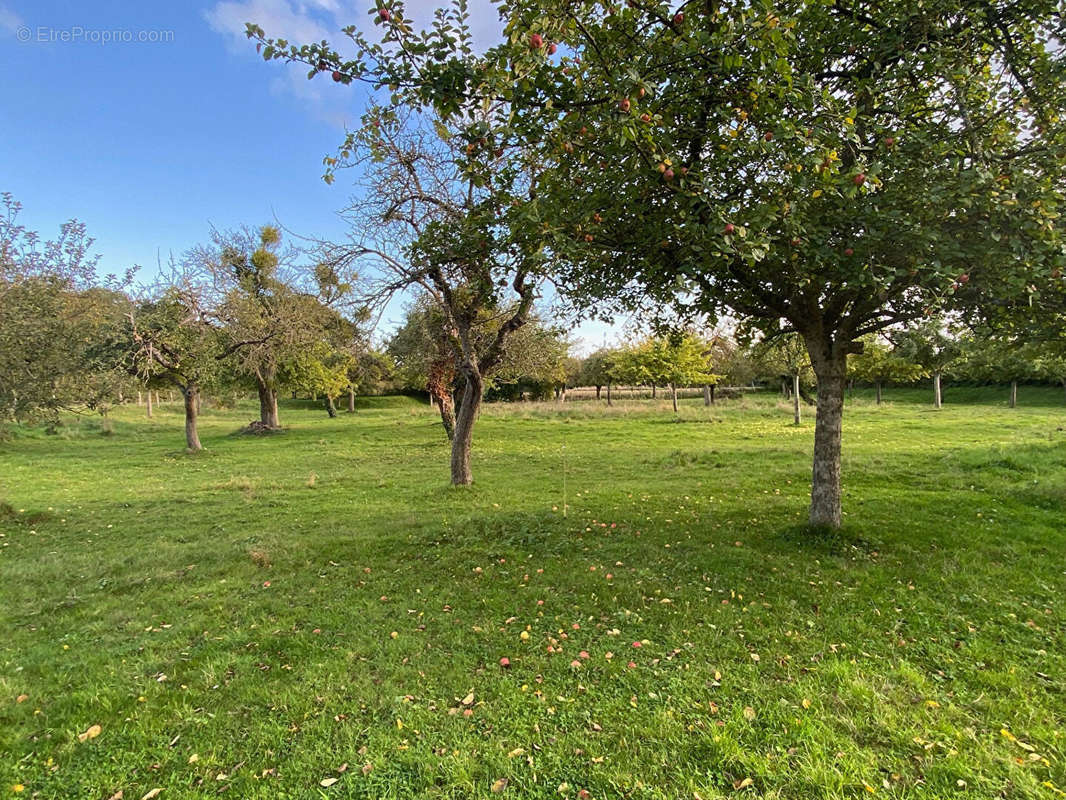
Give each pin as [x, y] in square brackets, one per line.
[173, 340]
[879, 364]
[786, 358]
[934, 345]
[679, 359]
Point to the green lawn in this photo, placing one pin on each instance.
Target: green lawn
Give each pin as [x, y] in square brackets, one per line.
[281, 611]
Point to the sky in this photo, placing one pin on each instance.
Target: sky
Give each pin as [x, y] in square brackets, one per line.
[151, 122]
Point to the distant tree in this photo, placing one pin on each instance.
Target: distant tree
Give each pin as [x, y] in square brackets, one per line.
[786, 357]
[266, 305]
[172, 340]
[57, 321]
[933, 344]
[879, 363]
[596, 370]
[986, 357]
[677, 359]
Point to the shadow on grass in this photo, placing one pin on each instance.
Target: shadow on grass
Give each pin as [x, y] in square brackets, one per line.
[821, 540]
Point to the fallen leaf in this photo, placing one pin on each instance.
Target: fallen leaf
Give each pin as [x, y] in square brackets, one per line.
[117, 795]
[327, 782]
[152, 793]
[91, 733]
[738, 785]
[749, 713]
[516, 752]
[499, 785]
[22, 698]
[806, 703]
[194, 758]
[469, 699]
[367, 767]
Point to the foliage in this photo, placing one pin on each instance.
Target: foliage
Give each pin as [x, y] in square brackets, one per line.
[880, 363]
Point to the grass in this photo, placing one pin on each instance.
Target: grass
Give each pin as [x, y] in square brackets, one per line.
[278, 612]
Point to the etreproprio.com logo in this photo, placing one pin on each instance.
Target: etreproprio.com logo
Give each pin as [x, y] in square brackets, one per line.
[77, 34]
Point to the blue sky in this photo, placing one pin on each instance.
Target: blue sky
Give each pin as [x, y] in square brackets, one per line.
[151, 142]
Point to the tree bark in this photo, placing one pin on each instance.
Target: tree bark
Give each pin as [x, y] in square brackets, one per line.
[191, 394]
[140, 399]
[673, 396]
[331, 409]
[830, 368]
[464, 428]
[268, 398]
[707, 394]
[598, 390]
[879, 393]
[796, 399]
[351, 399]
[608, 393]
[937, 396]
[149, 405]
[1013, 394]
[653, 391]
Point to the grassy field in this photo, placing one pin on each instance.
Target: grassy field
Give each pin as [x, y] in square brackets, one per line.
[318, 614]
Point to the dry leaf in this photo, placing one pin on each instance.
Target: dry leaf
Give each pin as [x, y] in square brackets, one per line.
[367, 767]
[153, 793]
[92, 733]
[469, 699]
[327, 782]
[117, 795]
[22, 698]
[499, 785]
[738, 785]
[194, 758]
[806, 703]
[749, 713]
[516, 752]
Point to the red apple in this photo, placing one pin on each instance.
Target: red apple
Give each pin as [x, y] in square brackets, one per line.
[338, 76]
[668, 174]
[849, 252]
[384, 14]
[889, 141]
[623, 105]
[679, 18]
[768, 136]
[505, 662]
[796, 241]
[964, 278]
[552, 48]
[645, 117]
[729, 228]
[536, 41]
[859, 179]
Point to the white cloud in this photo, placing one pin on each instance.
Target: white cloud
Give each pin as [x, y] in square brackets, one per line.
[9, 20]
[315, 20]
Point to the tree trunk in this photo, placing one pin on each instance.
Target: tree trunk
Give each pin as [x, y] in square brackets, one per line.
[830, 367]
[796, 399]
[653, 391]
[268, 398]
[598, 390]
[673, 396]
[1013, 394]
[608, 393]
[351, 400]
[562, 396]
[149, 405]
[707, 394]
[331, 409]
[191, 394]
[140, 399]
[464, 429]
[879, 393]
[937, 396]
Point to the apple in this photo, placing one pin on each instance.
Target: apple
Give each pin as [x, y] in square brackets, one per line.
[669, 174]
[796, 241]
[859, 179]
[679, 18]
[640, 92]
[597, 217]
[849, 252]
[623, 105]
[505, 662]
[536, 41]
[645, 117]
[729, 228]
[583, 130]
[338, 76]
[964, 278]
[588, 237]
[384, 14]
[552, 48]
[768, 136]
[889, 141]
